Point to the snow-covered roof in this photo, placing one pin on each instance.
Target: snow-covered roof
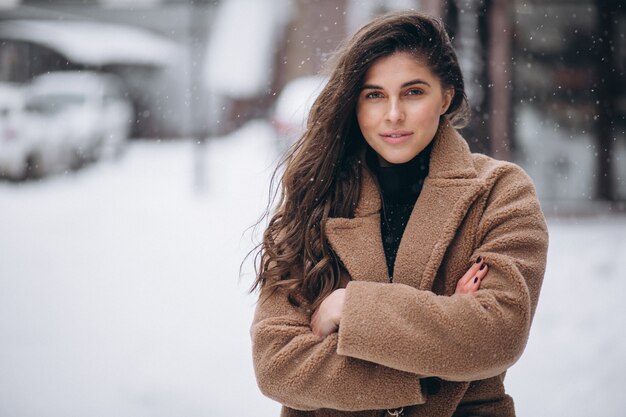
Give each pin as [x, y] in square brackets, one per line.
[94, 43]
[72, 82]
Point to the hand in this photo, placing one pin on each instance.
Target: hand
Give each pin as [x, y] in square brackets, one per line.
[470, 282]
[325, 319]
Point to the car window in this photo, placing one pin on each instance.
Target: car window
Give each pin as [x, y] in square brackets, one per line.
[50, 104]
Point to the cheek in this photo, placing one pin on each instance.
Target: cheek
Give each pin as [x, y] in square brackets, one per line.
[426, 114]
[366, 116]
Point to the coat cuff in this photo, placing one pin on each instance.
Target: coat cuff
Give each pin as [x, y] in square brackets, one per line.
[354, 331]
[353, 327]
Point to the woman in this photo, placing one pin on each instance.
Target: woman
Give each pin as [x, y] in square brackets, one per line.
[383, 208]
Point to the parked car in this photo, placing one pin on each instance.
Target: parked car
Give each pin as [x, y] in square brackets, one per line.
[20, 151]
[12, 134]
[88, 108]
[292, 108]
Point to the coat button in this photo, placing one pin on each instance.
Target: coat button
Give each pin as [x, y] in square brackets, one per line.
[433, 385]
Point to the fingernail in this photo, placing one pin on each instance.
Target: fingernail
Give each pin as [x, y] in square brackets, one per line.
[475, 280]
[479, 259]
[482, 266]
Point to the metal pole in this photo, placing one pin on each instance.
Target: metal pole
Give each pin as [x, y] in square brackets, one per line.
[196, 107]
[500, 29]
[607, 95]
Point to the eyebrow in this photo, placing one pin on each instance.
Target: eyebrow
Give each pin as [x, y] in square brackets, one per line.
[406, 84]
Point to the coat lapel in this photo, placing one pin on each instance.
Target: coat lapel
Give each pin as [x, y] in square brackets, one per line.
[451, 187]
[358, 241]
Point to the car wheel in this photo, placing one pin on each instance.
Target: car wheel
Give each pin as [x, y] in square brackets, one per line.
[77, 160]
[33, 167]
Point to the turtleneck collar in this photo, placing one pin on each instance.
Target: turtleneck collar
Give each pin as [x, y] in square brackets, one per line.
[401, 183]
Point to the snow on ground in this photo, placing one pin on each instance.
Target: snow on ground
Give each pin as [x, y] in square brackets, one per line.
[575, 362]
[120, 294]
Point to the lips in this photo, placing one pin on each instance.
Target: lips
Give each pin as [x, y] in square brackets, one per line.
[396, 136]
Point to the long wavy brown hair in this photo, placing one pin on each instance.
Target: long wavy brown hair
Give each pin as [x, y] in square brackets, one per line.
[322, 171]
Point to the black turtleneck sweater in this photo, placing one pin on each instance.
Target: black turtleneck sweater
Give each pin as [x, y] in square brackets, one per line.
[400, 186]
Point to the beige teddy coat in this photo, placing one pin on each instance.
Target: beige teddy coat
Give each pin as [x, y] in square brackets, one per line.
[396, 338]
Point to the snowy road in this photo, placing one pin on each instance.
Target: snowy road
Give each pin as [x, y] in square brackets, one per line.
[119, 294]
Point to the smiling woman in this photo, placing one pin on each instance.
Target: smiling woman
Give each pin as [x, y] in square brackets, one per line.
[399, 107]
[399, 273]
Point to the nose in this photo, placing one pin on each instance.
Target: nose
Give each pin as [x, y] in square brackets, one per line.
[395, 113]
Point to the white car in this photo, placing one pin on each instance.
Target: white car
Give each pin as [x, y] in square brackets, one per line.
[293, 106]
[19, 150]
[89, 109]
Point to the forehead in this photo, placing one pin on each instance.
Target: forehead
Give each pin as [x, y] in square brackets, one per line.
[398, 68]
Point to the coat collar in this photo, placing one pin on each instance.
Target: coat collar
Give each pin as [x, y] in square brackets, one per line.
[449, 190]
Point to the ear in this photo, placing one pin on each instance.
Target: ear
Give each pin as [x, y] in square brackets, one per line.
[448, 95]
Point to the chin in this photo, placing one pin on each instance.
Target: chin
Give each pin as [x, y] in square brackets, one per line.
[398, 159]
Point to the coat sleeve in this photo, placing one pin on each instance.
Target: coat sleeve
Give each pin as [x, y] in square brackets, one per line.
[459, 337]
[303, 371]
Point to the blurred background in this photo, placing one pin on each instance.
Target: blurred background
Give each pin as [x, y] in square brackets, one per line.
[137, 140]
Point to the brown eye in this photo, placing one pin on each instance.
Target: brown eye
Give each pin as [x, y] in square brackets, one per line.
[415, 92]
[374, 94]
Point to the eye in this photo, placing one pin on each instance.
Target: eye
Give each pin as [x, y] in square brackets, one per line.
[374, 94]
[414, 92]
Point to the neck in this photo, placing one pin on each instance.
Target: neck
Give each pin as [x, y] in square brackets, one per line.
[401, 182]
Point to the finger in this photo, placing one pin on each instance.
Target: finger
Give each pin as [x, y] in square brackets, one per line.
[474, 284]
[318, 324]
[320, 329]
[482, 271]
[467, 287]
[471, 272]
[317, 330]
[314, 322]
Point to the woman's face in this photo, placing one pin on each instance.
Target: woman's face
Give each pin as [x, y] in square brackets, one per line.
[399, 107]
